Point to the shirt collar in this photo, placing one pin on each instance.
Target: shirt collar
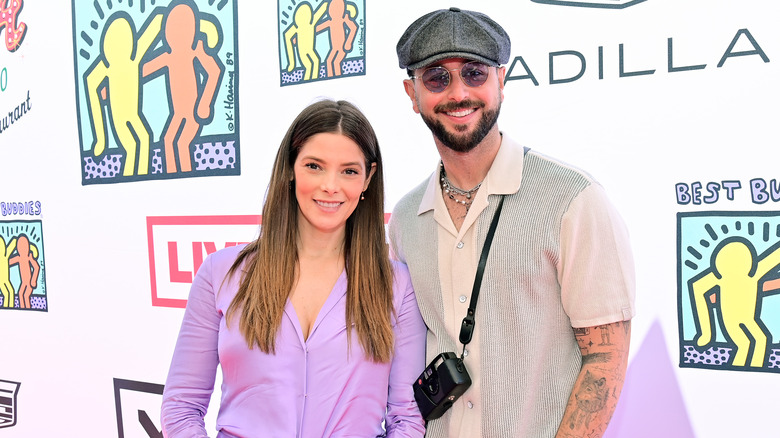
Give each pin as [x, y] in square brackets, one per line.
[503, 178]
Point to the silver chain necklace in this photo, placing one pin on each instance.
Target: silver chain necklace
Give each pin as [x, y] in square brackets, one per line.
[451, 190]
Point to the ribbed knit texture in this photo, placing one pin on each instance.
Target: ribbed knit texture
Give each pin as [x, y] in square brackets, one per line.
[529, 355]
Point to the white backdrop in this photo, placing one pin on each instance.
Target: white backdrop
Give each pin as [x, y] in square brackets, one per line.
[637, 119]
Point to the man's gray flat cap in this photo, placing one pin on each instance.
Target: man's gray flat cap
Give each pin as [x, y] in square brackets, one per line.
[453, 33]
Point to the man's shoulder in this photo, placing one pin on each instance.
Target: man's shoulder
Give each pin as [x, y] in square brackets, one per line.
[410, 202]
[553, 165]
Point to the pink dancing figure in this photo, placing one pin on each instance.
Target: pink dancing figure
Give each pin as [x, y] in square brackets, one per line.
[190, 106]
[341, 39]
[28, 269]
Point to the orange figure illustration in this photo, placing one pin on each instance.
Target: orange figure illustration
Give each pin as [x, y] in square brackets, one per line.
[341, 39]
[28, 269]
[301, 33]
[116, 76]
[6, 288]
[189, 107]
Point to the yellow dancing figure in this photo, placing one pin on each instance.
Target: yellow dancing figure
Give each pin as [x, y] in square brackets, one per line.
[734, 283]
[301, 34]
[116, 76]
[6, 288]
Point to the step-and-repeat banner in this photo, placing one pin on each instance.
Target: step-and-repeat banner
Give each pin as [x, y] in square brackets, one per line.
[137, 136]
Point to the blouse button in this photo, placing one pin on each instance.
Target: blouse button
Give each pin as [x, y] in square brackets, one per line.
[460, 245]
[470, 405]
[462, 298]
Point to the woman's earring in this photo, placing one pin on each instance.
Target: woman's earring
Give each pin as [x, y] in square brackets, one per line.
[363, 196]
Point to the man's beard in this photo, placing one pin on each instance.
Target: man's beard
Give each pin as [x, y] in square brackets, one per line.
[465, 142]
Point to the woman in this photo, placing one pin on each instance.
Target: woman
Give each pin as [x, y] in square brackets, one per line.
[317, 332]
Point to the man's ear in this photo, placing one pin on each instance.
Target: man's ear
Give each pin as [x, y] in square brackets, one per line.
[412, 93]
[501, 75]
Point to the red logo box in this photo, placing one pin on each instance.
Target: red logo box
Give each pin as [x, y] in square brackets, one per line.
[179, 244]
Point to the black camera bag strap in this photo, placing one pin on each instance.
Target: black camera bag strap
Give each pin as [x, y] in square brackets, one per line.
[467, 328]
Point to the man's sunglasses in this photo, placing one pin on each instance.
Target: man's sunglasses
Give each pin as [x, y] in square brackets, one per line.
[437, 79]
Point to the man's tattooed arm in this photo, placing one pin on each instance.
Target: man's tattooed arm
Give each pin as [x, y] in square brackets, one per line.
[597, 388]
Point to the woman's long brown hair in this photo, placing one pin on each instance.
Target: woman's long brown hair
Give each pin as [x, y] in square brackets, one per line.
[268, 264]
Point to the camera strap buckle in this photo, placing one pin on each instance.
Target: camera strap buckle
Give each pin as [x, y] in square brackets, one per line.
[467, 328]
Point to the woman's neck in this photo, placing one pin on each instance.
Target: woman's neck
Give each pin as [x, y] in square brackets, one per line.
[314, 245]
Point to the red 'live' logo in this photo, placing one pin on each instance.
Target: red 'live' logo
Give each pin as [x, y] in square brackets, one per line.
[179, 244]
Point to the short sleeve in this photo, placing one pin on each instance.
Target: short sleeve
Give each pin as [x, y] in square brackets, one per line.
[596, 269]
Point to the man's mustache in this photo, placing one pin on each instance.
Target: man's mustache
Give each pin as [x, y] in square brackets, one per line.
[456, 106]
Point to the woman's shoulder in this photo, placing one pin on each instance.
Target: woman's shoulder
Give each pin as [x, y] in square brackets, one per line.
[400, 271]
[223, 259]
[216, 268]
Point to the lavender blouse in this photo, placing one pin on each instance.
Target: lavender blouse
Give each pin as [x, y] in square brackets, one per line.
[311, 388]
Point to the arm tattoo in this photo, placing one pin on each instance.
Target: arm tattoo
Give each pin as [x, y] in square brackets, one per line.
[591, 397]
[604, 349]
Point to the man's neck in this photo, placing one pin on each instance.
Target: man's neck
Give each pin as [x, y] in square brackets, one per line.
[467, 169]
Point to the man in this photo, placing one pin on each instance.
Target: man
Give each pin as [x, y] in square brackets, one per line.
[551, 339]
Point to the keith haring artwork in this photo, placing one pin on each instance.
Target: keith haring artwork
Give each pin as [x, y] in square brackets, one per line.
[156, 89]
[729, 290]
[22, 267]
[321, 39]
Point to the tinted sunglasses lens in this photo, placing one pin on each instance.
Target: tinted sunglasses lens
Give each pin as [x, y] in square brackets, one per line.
[436, 79]
[474, 74]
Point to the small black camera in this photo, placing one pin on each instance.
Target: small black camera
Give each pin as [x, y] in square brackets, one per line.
[443, 382]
